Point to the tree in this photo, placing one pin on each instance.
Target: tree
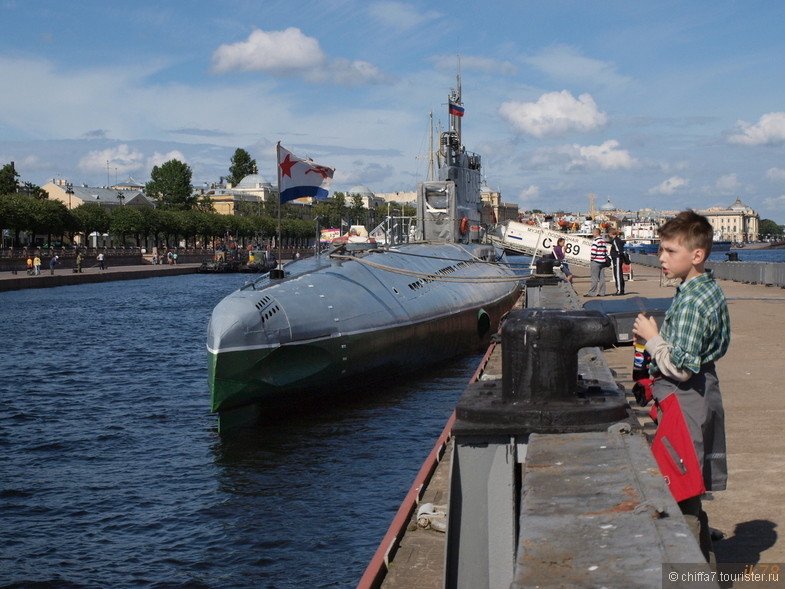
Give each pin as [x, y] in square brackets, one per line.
[769, 227]
[127, 220]
[357, 209]
[242, 165]
[51, 217]
[8, 179]
[17, 213]
[91, 217]
[170, 183]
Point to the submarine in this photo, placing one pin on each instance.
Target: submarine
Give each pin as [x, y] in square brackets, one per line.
[318, 325]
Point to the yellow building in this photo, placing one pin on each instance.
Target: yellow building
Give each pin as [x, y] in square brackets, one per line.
[254, 189]
[737, 223]
[494, 210]
[73, 196]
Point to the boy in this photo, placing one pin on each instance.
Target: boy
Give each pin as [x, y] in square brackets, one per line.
[695, 333]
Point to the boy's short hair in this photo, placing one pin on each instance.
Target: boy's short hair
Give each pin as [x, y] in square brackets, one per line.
[691, 229]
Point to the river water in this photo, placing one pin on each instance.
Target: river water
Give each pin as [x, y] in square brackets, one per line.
[112, 473]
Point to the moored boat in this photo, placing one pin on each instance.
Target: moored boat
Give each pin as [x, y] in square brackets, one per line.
[318, 324]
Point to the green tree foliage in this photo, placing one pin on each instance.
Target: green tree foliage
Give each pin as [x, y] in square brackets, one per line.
[8, 179]
[16, 214]
[127, 220]
[357, 211]
[170, 183]
[91, 217]
[769, 227]
[242, 165]
[34, 190]
[51, 217]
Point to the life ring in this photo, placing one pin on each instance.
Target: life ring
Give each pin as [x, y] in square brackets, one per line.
[464, 225]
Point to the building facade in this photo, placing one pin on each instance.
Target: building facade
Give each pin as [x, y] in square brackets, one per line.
[738, 223]
[73, 196]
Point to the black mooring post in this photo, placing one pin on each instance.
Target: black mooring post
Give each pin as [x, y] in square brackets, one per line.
[540, 351]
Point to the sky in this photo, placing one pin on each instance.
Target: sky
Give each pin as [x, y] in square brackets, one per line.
[661, 104]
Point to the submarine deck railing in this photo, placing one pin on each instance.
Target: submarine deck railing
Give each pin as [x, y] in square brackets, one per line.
[494, 468]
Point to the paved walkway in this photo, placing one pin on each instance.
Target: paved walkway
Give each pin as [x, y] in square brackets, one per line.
[752, 511]
[90, 274]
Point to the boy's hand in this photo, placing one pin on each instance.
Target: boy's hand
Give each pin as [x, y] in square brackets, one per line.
[644, 326]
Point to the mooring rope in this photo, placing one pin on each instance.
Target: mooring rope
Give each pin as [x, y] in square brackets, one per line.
[433, 277]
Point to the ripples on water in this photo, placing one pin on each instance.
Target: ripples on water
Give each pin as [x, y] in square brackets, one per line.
[112, 474]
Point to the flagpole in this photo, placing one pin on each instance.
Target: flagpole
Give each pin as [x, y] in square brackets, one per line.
[278, 168]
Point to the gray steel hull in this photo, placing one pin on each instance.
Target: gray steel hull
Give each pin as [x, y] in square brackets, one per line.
[329, 321]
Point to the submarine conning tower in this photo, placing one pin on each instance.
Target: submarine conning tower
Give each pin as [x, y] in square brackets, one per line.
[449, 208]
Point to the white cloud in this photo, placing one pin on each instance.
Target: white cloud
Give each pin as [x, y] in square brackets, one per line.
[554, 114]
[158, 159]
[769, 130]
[728, 184]
[291, 53]
[601, 157]
[669, 186]
[565, 63]
[343, 72]
[777, 174]
[280, 52]
[529, 193]
[400, 16]
[122, 158]
[776, 202]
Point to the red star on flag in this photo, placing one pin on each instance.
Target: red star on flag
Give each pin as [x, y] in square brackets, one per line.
[287, 165]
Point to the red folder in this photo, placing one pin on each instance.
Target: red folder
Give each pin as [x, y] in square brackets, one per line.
[674, 452]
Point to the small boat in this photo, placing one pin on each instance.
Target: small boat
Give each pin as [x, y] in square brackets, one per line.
[318, 325]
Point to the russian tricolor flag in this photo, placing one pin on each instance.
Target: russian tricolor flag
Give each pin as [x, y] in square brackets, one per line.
[456, 109]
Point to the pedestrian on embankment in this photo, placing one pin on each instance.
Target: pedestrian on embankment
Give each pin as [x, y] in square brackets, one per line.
[37, 265]
[599, 257]
[53, 261]
[695, 334]
[616, 247]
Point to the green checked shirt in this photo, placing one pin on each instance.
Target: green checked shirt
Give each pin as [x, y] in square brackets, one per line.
[697, 325]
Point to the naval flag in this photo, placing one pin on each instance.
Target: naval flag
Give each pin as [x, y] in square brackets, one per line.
[299, 177]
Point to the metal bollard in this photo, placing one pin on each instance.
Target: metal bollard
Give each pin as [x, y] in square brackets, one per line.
[539, 392]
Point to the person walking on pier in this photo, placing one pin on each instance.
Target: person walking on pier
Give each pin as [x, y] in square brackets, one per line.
[37, 265]
[617, 260]
[53, 261]
[29, 265]
[599, 256]
[695, 334]
[79, 259]
[100, 258]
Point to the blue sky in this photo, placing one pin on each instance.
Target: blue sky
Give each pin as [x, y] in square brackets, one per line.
[653, 104]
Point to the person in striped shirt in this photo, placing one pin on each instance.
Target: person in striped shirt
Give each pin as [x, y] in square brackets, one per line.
[695, 334]
[599, 254]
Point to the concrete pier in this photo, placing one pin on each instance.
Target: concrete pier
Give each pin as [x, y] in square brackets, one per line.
[749, 513]
[67, 277]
